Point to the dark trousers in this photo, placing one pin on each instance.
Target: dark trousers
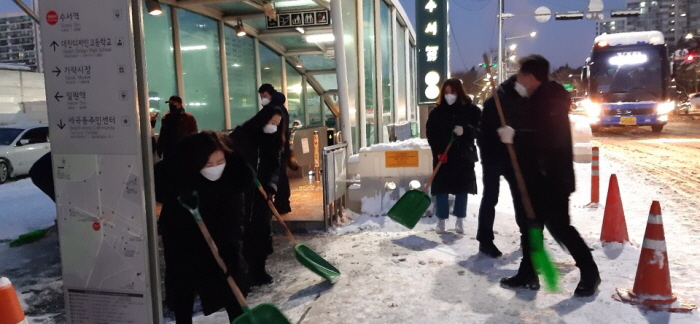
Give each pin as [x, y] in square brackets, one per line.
[487, 211]
[552, 209]
[284, 192]
[257, 238]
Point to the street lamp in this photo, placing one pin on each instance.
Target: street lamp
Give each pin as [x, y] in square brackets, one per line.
[689, 36]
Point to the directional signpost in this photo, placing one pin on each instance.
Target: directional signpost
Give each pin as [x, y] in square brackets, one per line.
[91, 88]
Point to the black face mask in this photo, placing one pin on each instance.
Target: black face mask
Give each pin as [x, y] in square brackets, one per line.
[173, 108]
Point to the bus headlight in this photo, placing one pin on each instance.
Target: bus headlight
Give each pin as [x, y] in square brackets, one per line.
[592, 109]
[665, 107]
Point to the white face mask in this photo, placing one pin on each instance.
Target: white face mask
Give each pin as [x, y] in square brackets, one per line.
[265, 101]
[521, 90]
[270, 129]
[213, 173]
[450, 99]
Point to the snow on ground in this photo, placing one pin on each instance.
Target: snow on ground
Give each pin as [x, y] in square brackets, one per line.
[395, 275]
[23, 208]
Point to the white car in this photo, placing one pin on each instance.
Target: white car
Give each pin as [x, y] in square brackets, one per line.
[20, 147]
[694, 100]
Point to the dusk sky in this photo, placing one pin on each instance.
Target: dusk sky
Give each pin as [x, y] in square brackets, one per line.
[474, 29]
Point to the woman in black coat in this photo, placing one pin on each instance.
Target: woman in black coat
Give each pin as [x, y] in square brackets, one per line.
[260, 140]
[207, 166]
[455, 117]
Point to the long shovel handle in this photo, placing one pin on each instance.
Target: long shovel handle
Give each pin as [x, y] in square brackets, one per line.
[525, 196]
[215, 251]
[437, 167]
[275, 212]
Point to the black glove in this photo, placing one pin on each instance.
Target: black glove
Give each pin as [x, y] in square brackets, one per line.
[270, 192]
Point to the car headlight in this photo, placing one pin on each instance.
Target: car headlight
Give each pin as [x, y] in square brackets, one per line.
[665, 107]
[592, 109]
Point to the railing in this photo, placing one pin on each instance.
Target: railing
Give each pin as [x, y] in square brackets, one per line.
[334, 183]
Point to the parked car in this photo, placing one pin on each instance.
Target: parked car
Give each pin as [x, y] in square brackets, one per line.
[694, 100]
[20, 147]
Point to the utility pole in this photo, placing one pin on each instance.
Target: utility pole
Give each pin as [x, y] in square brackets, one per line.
[500, 42]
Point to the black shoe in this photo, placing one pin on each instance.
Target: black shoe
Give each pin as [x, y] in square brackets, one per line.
[587, 286]
[261, 279]
[489, 249]
[518, 281]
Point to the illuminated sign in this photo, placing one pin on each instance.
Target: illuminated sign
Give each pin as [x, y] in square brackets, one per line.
[431, 22]
[628, 58]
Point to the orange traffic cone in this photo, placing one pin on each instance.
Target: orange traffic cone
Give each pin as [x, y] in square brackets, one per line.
[10, 310]
[614, 225]
[652, 285]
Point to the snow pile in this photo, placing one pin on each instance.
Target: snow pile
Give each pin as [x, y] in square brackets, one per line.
[409, 144]
[23, 208]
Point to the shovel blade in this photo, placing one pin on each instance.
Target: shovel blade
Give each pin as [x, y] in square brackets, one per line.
[410, 207]
[314, 262]
[262, 314]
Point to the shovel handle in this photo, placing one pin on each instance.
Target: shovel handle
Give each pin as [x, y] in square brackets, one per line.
[215, 252]
[524, 195]
[437, 167]
[274, 212]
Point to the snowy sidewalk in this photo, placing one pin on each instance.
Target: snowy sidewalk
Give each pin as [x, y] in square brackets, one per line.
[392, 275]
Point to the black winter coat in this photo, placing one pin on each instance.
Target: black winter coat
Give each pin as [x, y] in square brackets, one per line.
[492, 150]
[262, 153]
[543, 139]
[457, 175]
[188, 259]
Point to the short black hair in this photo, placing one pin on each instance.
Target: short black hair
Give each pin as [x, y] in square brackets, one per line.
[536, 65]
[267, 88]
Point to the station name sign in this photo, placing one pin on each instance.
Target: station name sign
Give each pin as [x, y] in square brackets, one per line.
[431, 25]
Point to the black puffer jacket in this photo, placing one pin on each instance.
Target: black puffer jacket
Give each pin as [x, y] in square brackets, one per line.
[457, 175]
[188, 258]
[543, 139]
[492, 150]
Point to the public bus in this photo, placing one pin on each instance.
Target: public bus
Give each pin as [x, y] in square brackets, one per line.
[627, 81]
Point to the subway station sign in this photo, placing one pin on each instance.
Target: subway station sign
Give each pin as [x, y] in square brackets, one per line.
[300, 19]
[431, 27]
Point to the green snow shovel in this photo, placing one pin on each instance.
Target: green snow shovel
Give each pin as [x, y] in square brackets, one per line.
[261, 314]
[413, 204]
[539, 256]
[30, 237]
[304, 254]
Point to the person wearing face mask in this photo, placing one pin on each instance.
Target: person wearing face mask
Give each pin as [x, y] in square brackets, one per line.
[261, 141]
[454, 117]
[541, 136]
[495, 162]
[175, 125]
[268, 95]
[220, 177]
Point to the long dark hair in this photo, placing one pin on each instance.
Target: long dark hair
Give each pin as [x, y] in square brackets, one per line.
[456, 86]
[254, 125]
[194, 151]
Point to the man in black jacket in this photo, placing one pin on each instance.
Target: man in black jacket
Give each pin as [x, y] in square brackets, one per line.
[495, 163]
[542, 137]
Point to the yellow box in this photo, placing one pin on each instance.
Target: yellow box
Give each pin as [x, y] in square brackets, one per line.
[401, 159]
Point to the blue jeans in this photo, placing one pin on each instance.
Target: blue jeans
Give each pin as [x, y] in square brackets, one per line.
[442, 206]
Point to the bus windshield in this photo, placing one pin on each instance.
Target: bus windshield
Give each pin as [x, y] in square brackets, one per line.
[627, 75]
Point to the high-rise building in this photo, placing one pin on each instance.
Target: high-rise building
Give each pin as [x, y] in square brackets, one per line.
[611, 26]
[18, 41]
[674, 18]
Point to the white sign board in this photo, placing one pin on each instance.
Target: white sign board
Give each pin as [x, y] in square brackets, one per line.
[90, 81]
[98, 170]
